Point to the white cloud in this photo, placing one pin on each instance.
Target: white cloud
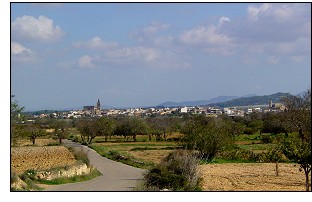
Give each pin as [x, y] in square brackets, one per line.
[20, 53]
[282, 30]
[133, 54]
[85, 62]
[148, 34]
[204, 36]
[273, 60]
[17, 49]
[254, 12]
[95, 43]
[146, 57]
[41, 28]
[223, 19]
[154, 27]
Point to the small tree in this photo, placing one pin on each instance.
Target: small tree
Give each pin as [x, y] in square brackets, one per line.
[104, 127]
[60, 129]
[299, 152]
[33, 131]
[132, 126]
[86, 130]
[16, 119]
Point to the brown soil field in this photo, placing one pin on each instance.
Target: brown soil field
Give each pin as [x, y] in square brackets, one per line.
[40, 158]
[252, 177]
[39, 142]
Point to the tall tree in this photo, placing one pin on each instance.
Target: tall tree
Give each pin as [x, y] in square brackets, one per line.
[298, 116]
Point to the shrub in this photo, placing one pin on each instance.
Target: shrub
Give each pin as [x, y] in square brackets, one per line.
[177, 172]
[266, 139]
[75, 139]
[238, 154]
[14, 177]
[53, 144]
[248, 131]
[80, 155]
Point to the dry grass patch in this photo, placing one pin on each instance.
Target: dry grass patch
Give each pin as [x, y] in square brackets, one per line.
[39, 142]
[252, 177]
[40, 158]
[153, 156]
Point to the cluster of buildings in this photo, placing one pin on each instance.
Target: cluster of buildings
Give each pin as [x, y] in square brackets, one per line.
[96, 111]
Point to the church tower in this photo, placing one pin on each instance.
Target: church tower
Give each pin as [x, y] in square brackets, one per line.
[98, 104]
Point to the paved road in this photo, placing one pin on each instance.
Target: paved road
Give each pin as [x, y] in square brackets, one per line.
[116, 176]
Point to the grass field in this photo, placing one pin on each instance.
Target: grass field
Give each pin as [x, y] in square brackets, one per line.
[139, 154]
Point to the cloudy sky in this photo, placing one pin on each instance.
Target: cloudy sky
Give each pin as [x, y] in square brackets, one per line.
[134, 54]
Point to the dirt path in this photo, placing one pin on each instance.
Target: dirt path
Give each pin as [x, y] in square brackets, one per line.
[116, 176]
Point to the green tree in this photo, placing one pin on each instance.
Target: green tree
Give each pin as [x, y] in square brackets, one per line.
[299, 152]
[16, 119]
[206, 135]
[131, 126]
[103, 127]
[85, 127]
[33, 131]
[60, 129]
[298, 116]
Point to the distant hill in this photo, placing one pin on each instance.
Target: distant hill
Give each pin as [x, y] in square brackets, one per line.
[254, 100]
[200, 102]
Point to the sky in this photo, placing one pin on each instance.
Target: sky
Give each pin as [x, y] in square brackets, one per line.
[67, 55]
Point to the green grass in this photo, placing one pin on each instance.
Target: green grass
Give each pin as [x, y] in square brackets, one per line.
[152, 148]
[255, 147]
[245, 137]
[121, 156]
[220, 161]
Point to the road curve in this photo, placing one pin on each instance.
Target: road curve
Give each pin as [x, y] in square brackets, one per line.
[116, 176]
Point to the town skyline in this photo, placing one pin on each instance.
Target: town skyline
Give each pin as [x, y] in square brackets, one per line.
[141, 54]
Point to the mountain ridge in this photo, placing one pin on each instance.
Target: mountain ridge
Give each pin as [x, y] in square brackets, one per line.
[218, 99]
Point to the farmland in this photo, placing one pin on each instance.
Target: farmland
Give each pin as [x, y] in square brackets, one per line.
[40, 158]
[221, 174]
[251, 177]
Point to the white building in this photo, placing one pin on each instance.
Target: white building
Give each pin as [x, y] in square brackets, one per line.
[183, 110]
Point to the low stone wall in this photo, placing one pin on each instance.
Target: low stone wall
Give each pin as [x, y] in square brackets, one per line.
[72, 171]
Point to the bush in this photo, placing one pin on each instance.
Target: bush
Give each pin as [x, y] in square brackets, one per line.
[80, 155]
[14, 176]
[266, 139]
[177, 172]
[248, 131]
[75, 139]
[239, 154]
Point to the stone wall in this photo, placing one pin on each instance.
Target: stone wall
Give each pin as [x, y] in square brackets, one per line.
[81, 169]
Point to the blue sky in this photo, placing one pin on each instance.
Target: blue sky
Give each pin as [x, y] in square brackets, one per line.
[67, 55]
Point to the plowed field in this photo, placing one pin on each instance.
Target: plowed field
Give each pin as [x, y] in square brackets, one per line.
[252, 177]
[24, 158]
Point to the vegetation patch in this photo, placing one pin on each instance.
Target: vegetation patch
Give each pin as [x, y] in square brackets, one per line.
[176, 172]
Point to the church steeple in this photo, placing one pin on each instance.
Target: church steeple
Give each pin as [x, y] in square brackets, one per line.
[98, 104]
